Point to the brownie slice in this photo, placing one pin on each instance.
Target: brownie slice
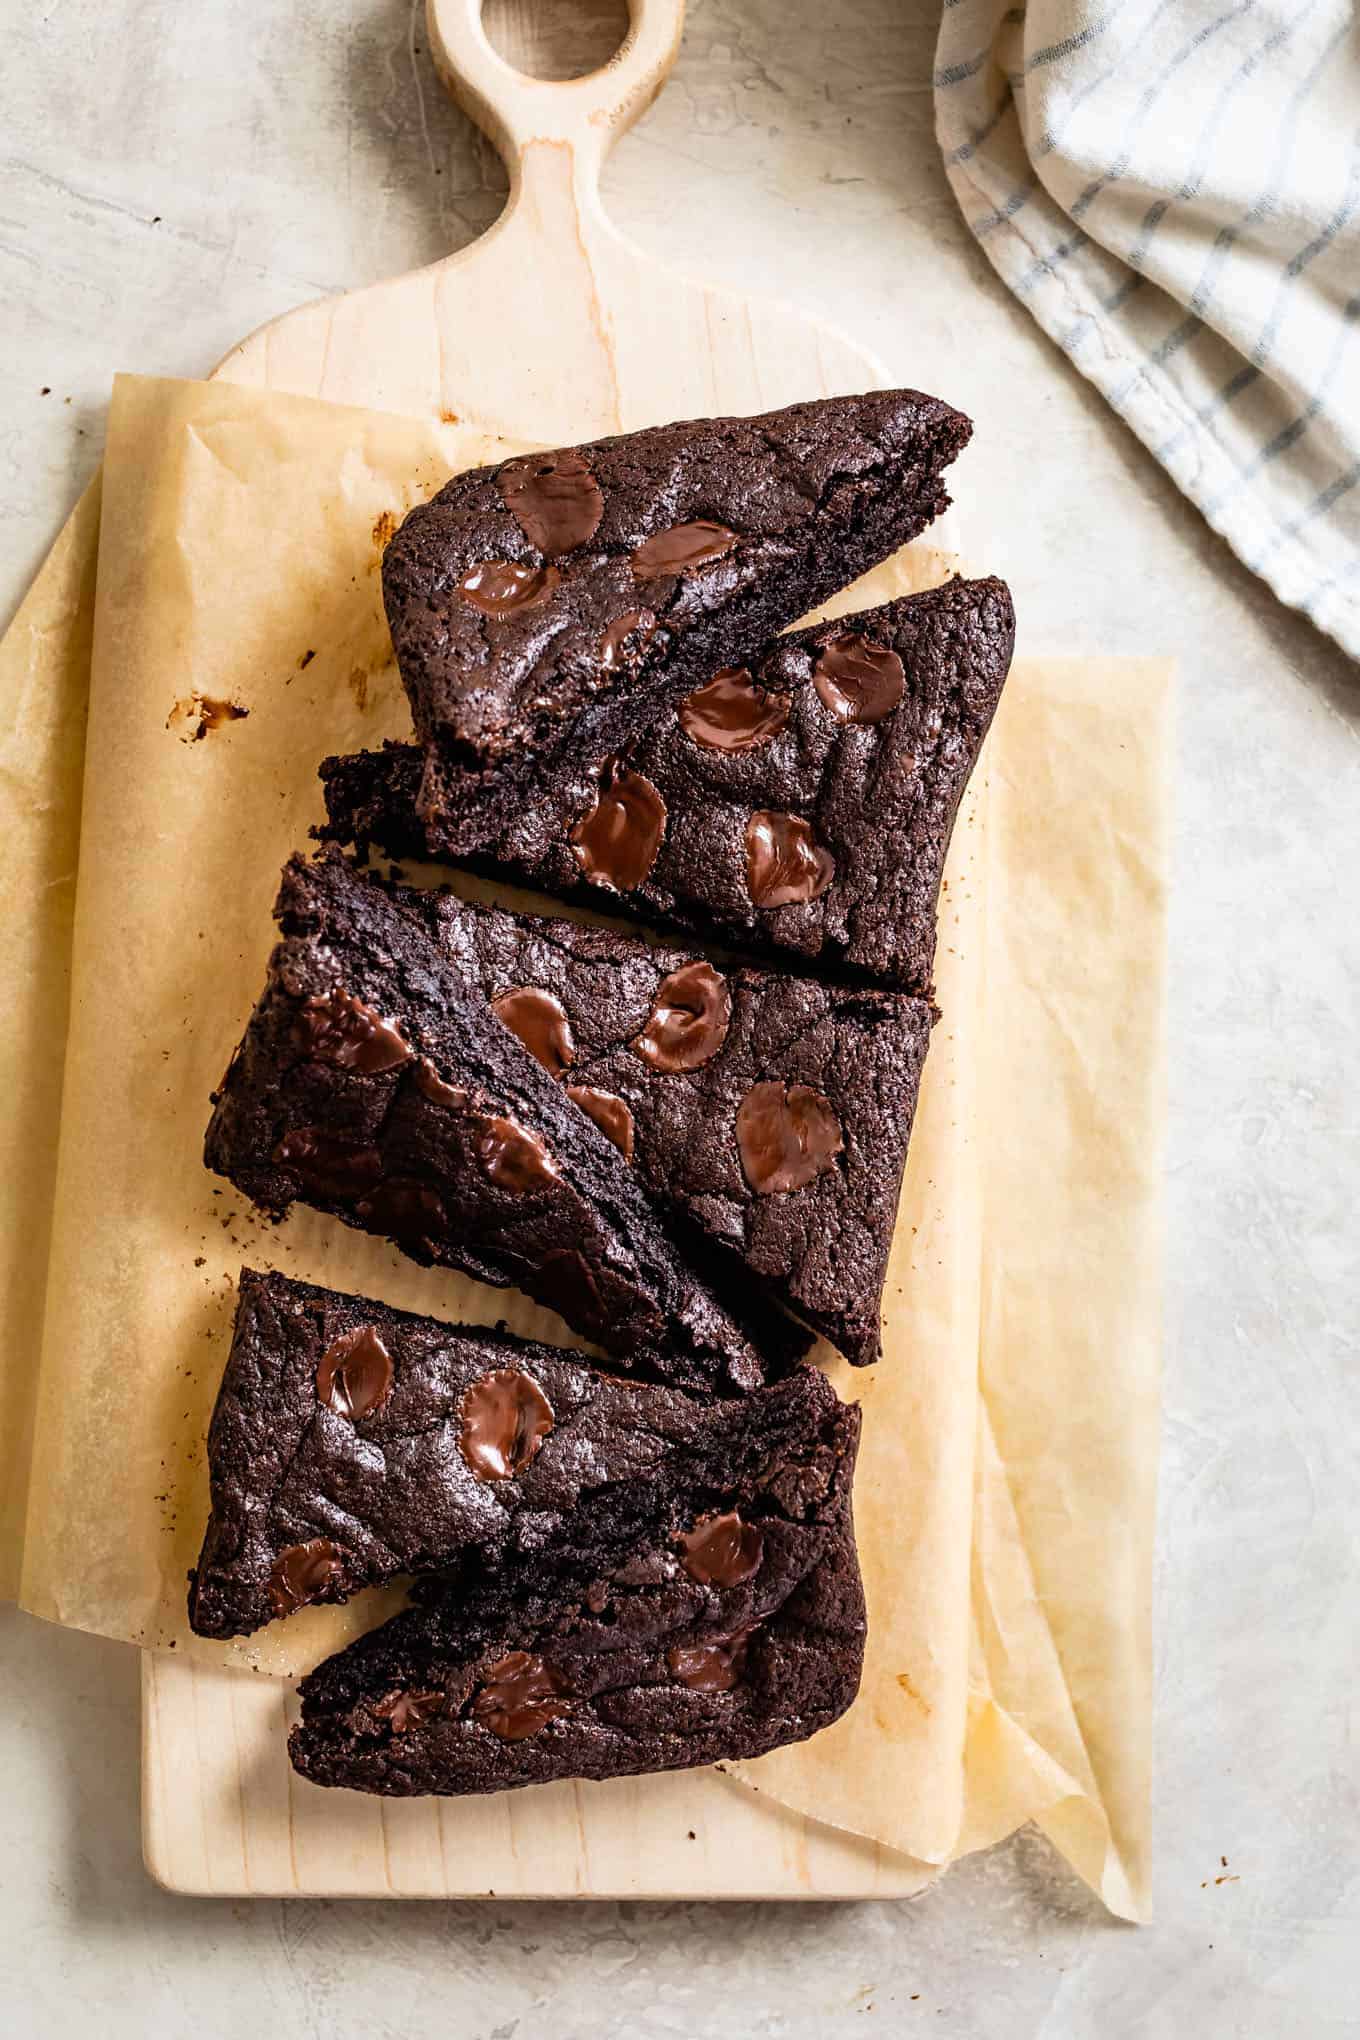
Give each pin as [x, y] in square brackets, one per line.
[546, 610]
[351, 1443]
[741, 1630]
[804, 806]
[770, 1111]
[373, 1082]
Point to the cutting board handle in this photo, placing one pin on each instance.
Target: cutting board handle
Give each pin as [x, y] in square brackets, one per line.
[530, 120]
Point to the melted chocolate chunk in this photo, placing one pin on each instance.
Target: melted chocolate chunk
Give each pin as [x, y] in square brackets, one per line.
[432, 1086]
[721, 1550]
[785, 864]
[626, 641]
[540, 1022]
[787, 1136]
[681, 548]
[732, 714]
[859, 681]
[327, 1164]
[616, 843]
[554, 498]
[354, 1374]
[522, 1694]
[610, 1113]
[341, 1030]
[409, 1710]
[302, 1572]
[500, 587]
[689, 1020]
[568, 1284]
[406, 1211]
[503, 1419]
[708, 1667]
[512, 1156]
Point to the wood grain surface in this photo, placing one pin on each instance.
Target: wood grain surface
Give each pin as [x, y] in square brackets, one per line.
[549, 328]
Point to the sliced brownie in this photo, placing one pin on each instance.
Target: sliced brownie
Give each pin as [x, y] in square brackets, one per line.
[741, 1630]
[351, 1442]
[375, 1083]
[771, 1111]
[545, 611]
[802, 806]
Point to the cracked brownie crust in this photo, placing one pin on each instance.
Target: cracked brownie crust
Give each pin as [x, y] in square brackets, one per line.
[545, 611]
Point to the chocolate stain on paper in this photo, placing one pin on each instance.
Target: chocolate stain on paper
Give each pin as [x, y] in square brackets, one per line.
[198, 715]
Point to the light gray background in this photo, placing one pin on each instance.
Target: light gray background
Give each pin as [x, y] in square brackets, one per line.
[173, 174]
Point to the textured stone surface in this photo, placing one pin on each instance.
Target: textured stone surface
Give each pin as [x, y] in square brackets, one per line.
[298, 157]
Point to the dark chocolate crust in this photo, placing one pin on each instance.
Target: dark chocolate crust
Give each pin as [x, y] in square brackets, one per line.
[793, 1630]
[392, 1490]
[404, 1150]
[880, 797]
[811, 497]
[822, 1248]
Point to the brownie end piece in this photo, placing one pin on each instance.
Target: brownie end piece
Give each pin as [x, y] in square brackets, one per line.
[544, 611]
[741, 1632]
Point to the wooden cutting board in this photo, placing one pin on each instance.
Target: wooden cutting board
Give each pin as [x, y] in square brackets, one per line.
[550, 328]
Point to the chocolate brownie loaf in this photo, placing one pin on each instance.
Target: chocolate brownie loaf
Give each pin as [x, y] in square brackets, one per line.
[545, 611]
[351, 1443]
[769, 1110]
[741, 1630]
[803, 806]
[374, 1082]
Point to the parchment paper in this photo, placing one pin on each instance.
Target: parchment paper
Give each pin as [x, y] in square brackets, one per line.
[44, 688]
[1004, 1492]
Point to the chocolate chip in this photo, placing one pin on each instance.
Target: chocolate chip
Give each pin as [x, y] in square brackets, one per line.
[327, 1164]
[538, 1020]
[616, 843]
[502, 1421]
[610, 1113]
[407, 1211]
[567, 1283]
[627, 639]
[522, 1694]
[354, 1374]
[732, 714]
[554, 498]
[513, 1157]
[341, 1030]
[709, 1667]
[859, 681]
[689, 1019]
[499, 587]
[681, 548]
[787, 1136]
[303, 1572]
[722, 1551]
[432, 1086]
[785, 864]
[403, 1711]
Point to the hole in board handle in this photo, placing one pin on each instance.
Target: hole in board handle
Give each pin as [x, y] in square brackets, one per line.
[560, 40]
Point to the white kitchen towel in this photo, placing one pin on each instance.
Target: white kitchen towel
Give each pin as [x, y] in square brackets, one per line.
[1173, 189]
